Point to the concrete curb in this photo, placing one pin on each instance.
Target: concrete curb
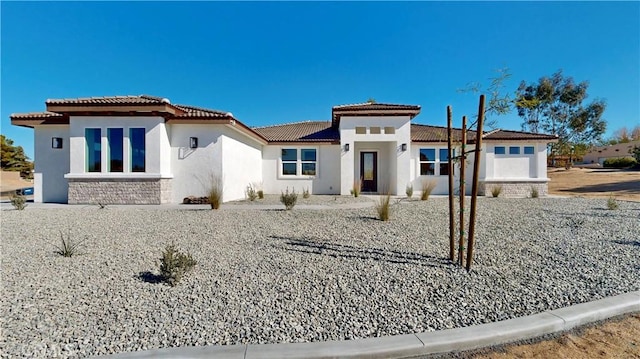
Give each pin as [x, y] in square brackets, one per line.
[400, 346]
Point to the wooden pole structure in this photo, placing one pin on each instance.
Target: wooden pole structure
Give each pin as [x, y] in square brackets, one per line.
[452, 230]
[474, 185]
[463, 158]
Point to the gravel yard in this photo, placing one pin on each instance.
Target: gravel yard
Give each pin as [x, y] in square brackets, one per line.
[271, 276]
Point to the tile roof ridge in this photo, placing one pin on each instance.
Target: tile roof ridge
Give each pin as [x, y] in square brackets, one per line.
[198, 108]
[293, 123]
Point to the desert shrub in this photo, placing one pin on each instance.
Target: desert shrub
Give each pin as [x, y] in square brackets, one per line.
[357, 187]
[619, 162]
[305, 193]
[635, 152]
[383, 207]
[289, 199]
[534, 192]
[496, 190]
[251, 193]
[427, 188]
[18, 202]
[68, 247]
[612, 203]
[214, 191]
[409, 190]
[175, 264]
[101, 205]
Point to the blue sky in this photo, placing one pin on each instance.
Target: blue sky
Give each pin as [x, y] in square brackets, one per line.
[278, 62]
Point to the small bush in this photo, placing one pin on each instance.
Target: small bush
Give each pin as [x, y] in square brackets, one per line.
[534, 192]
[619, 162]
[409, 191]
[612, 203]
[214, 192]
[289, 199]
[175, 264]
[427, 188]
[357, 187]
[496, 190]
[19, 202]
[101, 205]
[305, 193]
[382, 207]
[251, 193]
[260, 194]
[68, 247]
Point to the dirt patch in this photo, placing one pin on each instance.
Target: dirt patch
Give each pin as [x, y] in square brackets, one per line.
[595, 183]
[615, 339]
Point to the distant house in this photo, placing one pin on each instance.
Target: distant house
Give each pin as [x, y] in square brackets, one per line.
[144, 149]
[601, 153]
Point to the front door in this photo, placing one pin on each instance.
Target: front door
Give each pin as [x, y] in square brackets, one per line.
[369, 171]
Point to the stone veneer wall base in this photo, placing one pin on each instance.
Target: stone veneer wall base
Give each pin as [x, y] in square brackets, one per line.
[514, 188]
[119, 191]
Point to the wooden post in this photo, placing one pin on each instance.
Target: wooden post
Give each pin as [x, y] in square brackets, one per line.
[452, 234]
[474, 185]
[463, 158]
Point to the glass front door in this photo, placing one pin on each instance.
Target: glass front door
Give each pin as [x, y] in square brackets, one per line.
[369, 171]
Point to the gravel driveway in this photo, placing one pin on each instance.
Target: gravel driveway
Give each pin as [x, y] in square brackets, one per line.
[271, 276]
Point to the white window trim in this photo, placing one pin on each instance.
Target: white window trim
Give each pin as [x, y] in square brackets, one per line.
[299, 162]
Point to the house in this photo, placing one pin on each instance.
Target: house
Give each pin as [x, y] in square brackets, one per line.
[601, 153]
[147, 150]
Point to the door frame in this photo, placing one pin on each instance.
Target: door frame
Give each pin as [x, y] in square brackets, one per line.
[375, 171]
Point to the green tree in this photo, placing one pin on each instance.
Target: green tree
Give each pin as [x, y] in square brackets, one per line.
[555, 105]
[498, 103]
[13, 158]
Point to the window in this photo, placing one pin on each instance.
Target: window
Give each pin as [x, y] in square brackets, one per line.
[116, 158]
[137, 141]
[514, 150]
[427, 161]
[303, 164]
[361, 130]
[308, 157]
[499, 150]
[529, 150]
[93, 148]
[444, 160]
[374, 130]
[389, 130]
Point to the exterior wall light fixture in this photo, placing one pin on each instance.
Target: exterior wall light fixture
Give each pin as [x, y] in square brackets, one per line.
[193, 142]
[56, 142]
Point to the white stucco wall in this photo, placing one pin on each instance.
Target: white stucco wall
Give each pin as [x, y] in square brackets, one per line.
[156, 145]
[516, 167]
[222, 151]
[51, 164]
[327, 180]
[241, 164]
[193, 167]
[394, 165]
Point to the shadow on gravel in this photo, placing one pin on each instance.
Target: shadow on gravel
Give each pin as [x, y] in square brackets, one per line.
[629, 242]
[352, 252]
[149, 277]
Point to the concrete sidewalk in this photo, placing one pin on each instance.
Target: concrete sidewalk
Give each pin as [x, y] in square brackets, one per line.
[402, 346]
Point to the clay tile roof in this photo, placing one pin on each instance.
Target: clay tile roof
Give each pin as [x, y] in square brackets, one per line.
[376, 106]
[428, 133]
[517, 135]
[34, 115]
[200, 112]
[110, 100]
[308, 131]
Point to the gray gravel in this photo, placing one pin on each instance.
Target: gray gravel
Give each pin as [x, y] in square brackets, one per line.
[271, 276]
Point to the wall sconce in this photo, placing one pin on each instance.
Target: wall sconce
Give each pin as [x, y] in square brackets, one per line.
[346, 148]
[193, 142]
[403, 147]
[56, 142]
